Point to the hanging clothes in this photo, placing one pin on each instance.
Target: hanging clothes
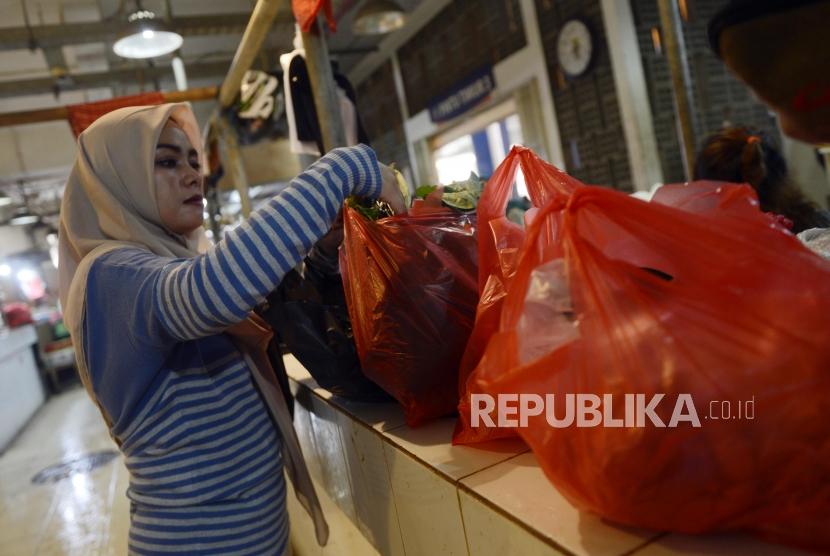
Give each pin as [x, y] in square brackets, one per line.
[304, 132]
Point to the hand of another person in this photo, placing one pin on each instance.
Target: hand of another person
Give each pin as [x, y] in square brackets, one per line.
[390, 191]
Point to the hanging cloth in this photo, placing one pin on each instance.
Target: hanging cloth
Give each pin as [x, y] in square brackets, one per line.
[305, 11]
[81, 116]
[304, 131]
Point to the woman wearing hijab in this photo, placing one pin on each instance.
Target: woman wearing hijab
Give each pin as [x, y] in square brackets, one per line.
[164, 342]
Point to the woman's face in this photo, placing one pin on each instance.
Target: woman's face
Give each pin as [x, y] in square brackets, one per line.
[178, 181]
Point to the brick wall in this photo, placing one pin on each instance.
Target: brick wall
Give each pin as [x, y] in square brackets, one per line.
[463, 37]
[717, 97]
[587, 110]
[380, 113]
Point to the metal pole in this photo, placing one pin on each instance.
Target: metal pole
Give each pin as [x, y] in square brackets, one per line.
[400, 91]
[232, 161]
[262, 18]
[211, 184]
[676, 56]
[323, 88]
[213, 210]
[258, 27]
[632, 94]
[179, 73]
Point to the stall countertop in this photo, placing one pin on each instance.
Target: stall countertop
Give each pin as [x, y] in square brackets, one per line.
[14, 339]
[21, 388]
[410, 491]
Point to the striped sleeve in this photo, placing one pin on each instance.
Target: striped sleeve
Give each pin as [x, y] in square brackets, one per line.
[205, 295]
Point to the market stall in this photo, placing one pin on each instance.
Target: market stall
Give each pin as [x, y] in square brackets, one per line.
[522, 282]
[394, 480]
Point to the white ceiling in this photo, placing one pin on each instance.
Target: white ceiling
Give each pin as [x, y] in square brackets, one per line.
[39, 156]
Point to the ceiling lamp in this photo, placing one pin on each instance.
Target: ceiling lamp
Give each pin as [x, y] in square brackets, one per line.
[377, 17]
[146, 37]
[23, 217]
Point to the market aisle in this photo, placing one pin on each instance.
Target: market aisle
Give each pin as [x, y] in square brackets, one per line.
[82, 513]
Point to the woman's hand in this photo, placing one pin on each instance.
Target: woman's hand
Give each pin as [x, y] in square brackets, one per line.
[390, 191]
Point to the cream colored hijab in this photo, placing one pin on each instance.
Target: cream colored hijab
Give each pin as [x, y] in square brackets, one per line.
[110, 198]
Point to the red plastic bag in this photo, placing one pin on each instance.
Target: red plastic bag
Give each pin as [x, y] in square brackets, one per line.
[499, 241]
[305, 12]
[704, 303]
[708, 197]
[410, 283]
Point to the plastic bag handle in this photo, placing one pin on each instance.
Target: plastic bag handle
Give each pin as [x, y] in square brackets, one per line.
[544, 183]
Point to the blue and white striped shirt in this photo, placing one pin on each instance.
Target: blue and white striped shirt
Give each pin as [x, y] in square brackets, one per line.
[204, 456]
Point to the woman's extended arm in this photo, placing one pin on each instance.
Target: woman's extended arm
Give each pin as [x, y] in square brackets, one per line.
[205, 295]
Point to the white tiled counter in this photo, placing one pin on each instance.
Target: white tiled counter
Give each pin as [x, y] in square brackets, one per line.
[21, 389]
[393, 490]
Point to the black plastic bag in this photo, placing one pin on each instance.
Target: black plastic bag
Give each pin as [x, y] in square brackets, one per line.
[308, 312]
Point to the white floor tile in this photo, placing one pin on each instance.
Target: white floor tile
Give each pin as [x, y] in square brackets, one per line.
[519, 487]
[345, 539]
[427, 505]
[329, 453]
[432, 444]
[490, 533]
[374, 505]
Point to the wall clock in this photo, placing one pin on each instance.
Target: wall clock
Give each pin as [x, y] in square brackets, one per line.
[575, 47]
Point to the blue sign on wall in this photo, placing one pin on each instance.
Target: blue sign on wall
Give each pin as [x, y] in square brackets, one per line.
[463, 96]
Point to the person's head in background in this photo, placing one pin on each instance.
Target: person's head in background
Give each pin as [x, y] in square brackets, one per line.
[779, 48]
[745, 155]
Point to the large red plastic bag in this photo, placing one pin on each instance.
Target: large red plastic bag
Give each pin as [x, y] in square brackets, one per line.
[499, 241]
[706, 197]
[727, 310]
[410, 283]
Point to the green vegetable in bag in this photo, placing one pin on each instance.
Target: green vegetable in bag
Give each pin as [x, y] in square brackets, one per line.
[463, 195]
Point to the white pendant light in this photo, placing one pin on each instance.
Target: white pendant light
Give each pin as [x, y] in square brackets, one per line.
[377, 17]
[146, 37]
[22, 217]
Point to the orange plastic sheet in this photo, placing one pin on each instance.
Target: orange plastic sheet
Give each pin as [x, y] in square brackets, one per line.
[305, 11]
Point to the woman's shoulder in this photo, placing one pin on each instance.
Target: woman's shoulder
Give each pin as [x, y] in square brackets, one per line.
[129, 255]
[124, 267]
[120, 294]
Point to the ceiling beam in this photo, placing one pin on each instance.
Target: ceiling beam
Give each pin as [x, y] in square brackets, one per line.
[62, 112]
[126, 76]
[47, 36]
